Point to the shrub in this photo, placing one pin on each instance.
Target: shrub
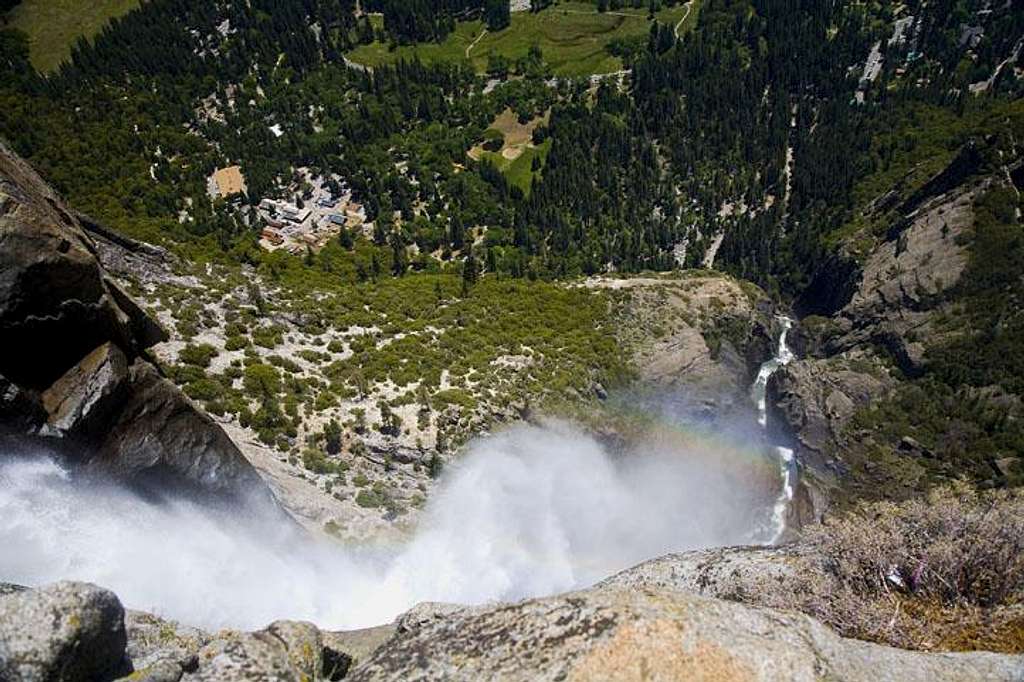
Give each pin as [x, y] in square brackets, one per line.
[199, 355]
[957, 546]
[369, 499]
[324, 400]
[284, 363]
[262, 381]
[236, 342]
[332, 437]
[204, 389]
[455, 396]
[267, 337]
[919, 572]
[359, 420]
[185, 374]
[310, 355]
[314, 460]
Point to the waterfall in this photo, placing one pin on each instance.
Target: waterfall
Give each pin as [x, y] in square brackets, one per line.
[526, 512]
[787, 467]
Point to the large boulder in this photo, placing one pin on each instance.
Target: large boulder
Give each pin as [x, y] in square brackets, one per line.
[131, 424]
[161, 649]
[285, 651]
[66, 631]
[74, 377]
[87, 396]
[617, 634]
[158, 432]
[56, 303]
[755, 575]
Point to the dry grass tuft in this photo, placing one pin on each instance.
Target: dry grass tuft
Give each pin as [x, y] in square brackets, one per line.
[943, 572]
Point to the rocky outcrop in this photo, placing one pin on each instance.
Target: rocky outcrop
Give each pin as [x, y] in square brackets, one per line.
[77, 631]
[641, 634]
[888, 286]
[814, 400]
[162, 649]
[285, 651]
[887, 291]
[56, 303]
[810, 403]
[74, 377]
[158, 436]
[904, 279]
[759, 575]
[655, 621]
[697, 340]
[67, 631]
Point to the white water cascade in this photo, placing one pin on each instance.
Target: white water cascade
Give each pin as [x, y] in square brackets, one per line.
[787, 467]
[527, 512]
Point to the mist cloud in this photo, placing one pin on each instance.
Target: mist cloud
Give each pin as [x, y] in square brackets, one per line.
[527, 512]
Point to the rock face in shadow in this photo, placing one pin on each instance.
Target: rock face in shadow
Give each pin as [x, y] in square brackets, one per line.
[56, 303]
[74, 376]
[816, 398]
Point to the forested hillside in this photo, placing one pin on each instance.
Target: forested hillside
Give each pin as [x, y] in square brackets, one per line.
[779, 142]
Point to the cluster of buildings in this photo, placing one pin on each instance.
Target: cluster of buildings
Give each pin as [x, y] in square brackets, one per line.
[296, 226]
[300, 224]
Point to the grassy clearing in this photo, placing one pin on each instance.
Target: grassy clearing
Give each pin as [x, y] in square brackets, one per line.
[573, 37]
[53, 26]
[519, 171]
[687, 22]
[516, 133]
[515, 158]
[452, 49]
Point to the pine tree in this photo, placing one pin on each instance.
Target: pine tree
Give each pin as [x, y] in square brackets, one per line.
[345, 239]
[332, 437]
[458, 232]
[470, 271]
[399, 259]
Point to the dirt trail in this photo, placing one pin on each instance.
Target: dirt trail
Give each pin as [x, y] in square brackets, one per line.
[689, 7]
[473, 44]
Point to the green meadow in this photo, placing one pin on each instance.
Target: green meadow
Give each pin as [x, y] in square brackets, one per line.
[53, 26]
[573, 36]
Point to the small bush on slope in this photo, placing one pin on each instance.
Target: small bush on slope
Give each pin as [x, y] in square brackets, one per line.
[925, 573]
